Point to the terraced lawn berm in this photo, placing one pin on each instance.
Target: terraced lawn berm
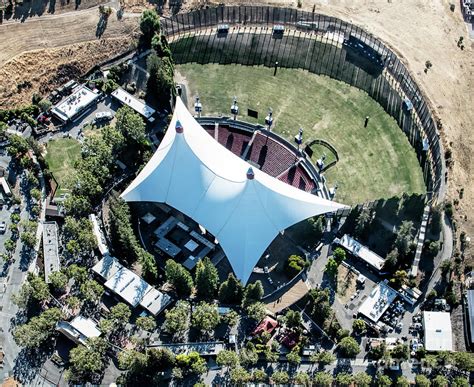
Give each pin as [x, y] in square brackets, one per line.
[375, 162]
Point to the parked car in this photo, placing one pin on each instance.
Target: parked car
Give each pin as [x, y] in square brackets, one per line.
[3, 227]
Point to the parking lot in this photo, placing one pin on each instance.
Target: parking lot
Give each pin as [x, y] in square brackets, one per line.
[75, 128]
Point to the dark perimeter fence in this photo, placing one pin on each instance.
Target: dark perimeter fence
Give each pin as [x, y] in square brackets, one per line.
[319, 44]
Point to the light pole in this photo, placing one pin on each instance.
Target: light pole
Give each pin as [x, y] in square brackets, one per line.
[198, 107]
[234, 108]
[299, 138]
[269, 119]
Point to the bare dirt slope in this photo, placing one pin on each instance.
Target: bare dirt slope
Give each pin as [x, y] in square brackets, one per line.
[49, 68]
[49, 50]
[60, 30]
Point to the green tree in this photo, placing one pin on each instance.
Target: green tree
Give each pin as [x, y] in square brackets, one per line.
[464, 361]
[207, 279]
[344, 379]
[10, 246]
[383, 380]
[177, 320]
[422, 381]
[131, 359]
[146, 323]
[460, 382]
[231, 290]
[34, 289]
[77, 273]
[160, 83]
[58, 281]
[391, 260]
[325, 358]
[399, 278]
[17, 146]
[404, 237]
[130, 124]
[323, 379]
[259, 376]
[256, 311]
[253, 293]
[179, 277]
[361, 379]
[227, 358]
[431, 361]
[293, 356]
[378, 352]
[120, 314]
[359, 326]
[302, 379]
[280, 377]
[339, 255]
[400, 352]
[363, 221]
[402, 382]
[28, 239]
[85, 362]
[349, 347]
[231, 318]
[149, 26]
[293, 320]
[248, 355]
[192, 362]
[205, 317]
[45, 105]
[38, 329]
[331, 267]
[91, 291]
[239, 376]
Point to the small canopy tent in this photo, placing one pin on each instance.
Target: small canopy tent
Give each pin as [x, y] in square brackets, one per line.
[244, 208]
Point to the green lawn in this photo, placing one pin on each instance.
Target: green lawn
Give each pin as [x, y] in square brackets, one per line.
[61, 155]
[375, 162]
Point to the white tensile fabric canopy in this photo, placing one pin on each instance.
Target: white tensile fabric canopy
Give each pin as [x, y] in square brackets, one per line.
[243, 208]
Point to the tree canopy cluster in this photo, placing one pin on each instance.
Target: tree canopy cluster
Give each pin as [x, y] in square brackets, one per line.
[125, 240]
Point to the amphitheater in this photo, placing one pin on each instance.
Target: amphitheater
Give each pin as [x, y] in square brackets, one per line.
[247, 35]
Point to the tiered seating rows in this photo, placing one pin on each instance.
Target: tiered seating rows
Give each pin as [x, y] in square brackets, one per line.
[272, 157]
[298, 177]
[235, 141]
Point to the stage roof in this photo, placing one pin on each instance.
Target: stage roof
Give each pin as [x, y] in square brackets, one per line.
[243, 207]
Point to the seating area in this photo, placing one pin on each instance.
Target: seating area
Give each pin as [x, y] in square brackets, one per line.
[298, 177]
[234, 140]
[273, 158]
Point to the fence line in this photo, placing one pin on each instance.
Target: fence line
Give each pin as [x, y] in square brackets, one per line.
[319, 44]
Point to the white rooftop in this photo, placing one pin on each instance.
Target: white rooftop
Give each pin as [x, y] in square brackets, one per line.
[128, 285]
[107, 267]
[79, 329]
[362, 252]
[133, 102]
[85, 326]
[99, 236]
[74, 103]
[245, 209]
[50, 249]
[438, 331]
[377, 302]
[155, 301]
[470, 310]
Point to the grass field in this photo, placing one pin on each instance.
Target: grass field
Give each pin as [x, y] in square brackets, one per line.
[61, 156]
[375, 162]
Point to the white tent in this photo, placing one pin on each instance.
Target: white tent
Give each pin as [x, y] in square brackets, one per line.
[243, 208]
